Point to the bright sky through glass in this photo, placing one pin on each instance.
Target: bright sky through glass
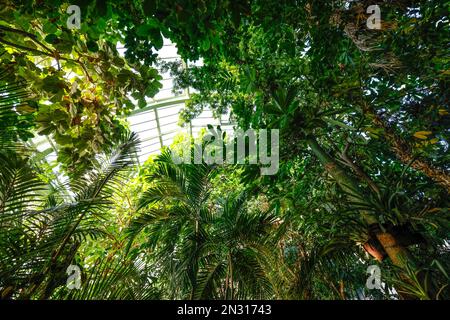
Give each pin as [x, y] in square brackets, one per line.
[157, 124]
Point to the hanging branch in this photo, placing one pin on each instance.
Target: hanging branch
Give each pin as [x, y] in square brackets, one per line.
[51, 53]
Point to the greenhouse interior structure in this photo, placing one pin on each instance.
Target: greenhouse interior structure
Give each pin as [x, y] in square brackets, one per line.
[224, 150]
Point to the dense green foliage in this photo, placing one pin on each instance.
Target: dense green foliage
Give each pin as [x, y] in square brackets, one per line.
[364, 137]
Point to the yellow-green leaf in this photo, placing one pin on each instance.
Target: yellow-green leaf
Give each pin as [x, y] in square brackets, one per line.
[434, 140]
[422, 134]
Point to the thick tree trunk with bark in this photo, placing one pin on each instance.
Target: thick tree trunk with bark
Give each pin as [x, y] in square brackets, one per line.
[403, 151]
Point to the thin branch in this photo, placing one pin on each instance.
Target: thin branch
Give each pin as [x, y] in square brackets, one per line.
[27, 34]
[55, 55]
[24, 48]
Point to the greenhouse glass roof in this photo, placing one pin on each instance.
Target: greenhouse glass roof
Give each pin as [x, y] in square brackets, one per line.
[157, 123]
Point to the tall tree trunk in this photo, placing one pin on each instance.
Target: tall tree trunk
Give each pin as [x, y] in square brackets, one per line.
[398, 254]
